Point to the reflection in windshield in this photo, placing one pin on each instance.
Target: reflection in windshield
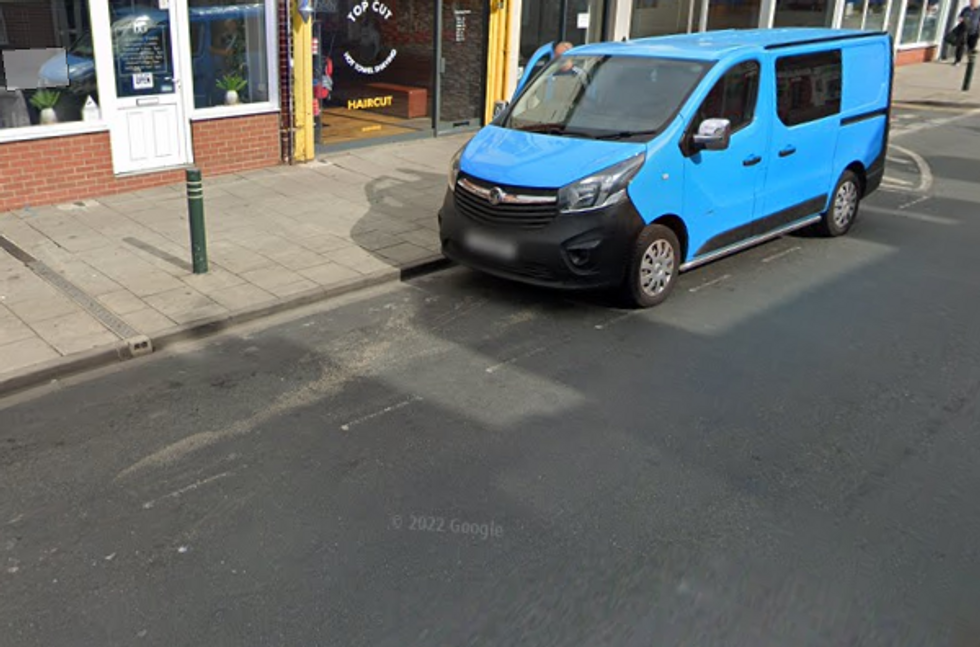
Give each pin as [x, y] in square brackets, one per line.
[605, 96]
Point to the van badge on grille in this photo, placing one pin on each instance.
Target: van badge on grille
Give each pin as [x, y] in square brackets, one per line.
[496, 195]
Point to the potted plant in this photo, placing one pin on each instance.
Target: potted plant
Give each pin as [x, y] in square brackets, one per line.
[232, 84]
[45, 101]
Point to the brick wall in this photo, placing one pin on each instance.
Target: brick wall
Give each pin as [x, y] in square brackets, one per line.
[917, 55]
[63, 169]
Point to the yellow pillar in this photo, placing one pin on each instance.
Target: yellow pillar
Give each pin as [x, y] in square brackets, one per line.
[303, 120]
[497, 53]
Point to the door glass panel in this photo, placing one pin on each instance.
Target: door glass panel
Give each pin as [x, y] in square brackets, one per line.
[375, 68]
[734, 14]
[141, 46]
[464, 29]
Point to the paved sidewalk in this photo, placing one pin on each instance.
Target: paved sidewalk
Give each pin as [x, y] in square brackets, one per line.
[936, 83]
[84, 277]
[92, 274]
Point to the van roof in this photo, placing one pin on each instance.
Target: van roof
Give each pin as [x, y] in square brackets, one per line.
[716, 45]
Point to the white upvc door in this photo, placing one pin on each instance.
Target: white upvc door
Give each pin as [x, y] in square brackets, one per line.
[137, 44]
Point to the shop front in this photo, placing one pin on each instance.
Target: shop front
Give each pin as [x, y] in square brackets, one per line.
[914, 24]
[394, 69]
[113, 95]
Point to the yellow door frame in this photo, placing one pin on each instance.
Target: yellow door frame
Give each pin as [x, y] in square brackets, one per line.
[303, 119]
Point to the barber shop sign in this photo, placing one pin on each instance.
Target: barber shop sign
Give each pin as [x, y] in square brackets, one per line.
[370, 36]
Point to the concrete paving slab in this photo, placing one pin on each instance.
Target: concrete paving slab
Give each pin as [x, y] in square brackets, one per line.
[236, 258]
[361, 260]
[122, 302]
[22, 354]
[404, 253]
[41, 308]
[12, 328]
[330, 274]
[242, 296]
[275, 278]
[184, 304]
[149, 321]
[73, 333]
[300, 287]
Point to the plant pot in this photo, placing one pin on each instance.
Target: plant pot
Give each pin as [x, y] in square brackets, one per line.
[231, 98]
[48, 116]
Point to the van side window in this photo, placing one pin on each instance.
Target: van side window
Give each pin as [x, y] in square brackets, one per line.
[808, 87]
[733, 97]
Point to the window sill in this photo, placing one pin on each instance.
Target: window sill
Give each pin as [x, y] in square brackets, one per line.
[28, 133]
[225, 112]
[923, 45]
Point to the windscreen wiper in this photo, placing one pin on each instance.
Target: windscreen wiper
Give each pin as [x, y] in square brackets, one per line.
[554, 129]
[626, 134]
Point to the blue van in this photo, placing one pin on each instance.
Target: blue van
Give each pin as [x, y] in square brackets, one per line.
[624, 164]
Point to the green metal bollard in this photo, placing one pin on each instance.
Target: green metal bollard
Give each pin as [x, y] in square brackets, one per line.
[195, 211]
[971, 59]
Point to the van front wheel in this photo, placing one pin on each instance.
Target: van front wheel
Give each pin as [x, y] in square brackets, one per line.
[653, 267]
[843, 206]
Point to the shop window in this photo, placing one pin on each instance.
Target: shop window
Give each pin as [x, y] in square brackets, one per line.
[734, 97]
[229, 52]
[376, 62]
[808, 87]
[663, 17]
[47, 63]
[734, 14]
[912, 22]
[3, 29]
[803, 13]
[854, 12]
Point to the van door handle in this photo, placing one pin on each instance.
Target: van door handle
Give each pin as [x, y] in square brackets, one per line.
[752, 161]
[786, 152]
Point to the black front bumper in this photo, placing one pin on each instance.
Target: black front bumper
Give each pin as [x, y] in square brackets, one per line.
[574, 251]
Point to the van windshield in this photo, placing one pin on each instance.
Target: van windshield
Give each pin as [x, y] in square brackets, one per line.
[605, 97]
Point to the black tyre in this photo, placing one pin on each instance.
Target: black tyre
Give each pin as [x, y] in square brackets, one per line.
[844, 206]
[653, 267]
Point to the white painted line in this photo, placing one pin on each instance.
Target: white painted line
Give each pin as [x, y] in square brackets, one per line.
[609, 322]
[925, 173]
[922, 217]
[386, 410]
[497, 367]
[781, 254]
[913, 202]
[936, 123]
[710, 283]
[900, 160]
[184, 490]
[896, 182]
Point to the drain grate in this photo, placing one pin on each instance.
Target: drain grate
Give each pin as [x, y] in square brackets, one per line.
[118, 327]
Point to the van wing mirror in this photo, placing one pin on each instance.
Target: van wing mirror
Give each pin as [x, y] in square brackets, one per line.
[499, 107]
[713, 135]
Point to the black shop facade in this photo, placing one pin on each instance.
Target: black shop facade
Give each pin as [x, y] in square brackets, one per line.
[386, 70]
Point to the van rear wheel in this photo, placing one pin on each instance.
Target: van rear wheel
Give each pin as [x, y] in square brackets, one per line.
[843, 206]
[653, 267]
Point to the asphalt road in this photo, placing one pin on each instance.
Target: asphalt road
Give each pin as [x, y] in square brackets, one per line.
[785, 453]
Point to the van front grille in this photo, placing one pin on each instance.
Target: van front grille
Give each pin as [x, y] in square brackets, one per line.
[517, 208]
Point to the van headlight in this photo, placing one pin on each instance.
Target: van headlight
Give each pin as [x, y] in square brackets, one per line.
[454, 168]
[605, 188]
